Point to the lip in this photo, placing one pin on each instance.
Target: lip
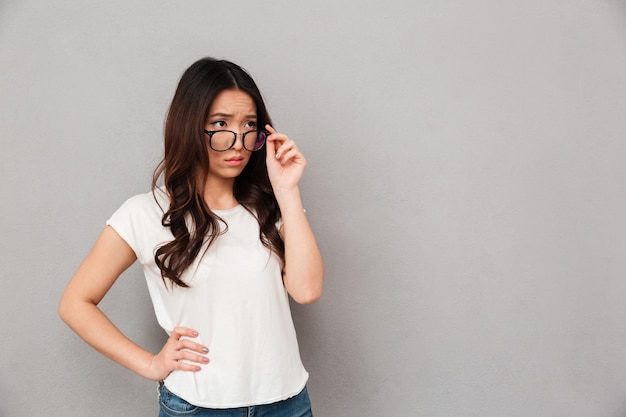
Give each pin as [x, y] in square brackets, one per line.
[235, 160]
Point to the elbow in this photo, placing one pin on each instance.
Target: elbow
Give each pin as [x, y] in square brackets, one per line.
[308, 297]
[63, 310]
[305, 288]
[68, 310]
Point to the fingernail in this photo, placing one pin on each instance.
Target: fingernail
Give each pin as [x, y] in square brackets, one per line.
[205, 350]
[205, 360]
[198, 368]
[194, 333]
[277, 155]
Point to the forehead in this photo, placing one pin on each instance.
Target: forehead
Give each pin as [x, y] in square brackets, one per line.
[233, 102]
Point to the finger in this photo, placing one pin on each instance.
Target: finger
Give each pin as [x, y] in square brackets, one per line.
[193, 346]
[270, 141]
[277, 140]
[279, 145]
[270, 148]
[179, 332]
[289, 156]
[275, 135]
[189, 356]
[183, 366]
[286, 147]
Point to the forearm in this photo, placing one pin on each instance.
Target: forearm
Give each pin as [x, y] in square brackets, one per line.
[304, 268]
[78, 307]
[95, 328]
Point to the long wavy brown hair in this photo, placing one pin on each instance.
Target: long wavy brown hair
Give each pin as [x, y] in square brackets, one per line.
[185, 167]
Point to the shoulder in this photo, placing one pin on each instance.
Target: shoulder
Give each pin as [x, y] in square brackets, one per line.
[147, 202]
[147, 207]
[139, 222]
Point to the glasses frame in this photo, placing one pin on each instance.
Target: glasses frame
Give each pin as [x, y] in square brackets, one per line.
[210, 133]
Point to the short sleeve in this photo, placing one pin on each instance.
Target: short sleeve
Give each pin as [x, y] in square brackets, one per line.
[138, 222]
[122, 222]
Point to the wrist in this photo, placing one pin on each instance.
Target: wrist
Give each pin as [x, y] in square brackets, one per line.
[146, 368]
[288, 200]
[287, 194]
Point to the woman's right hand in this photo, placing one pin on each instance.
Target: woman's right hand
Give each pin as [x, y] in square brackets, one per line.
[178, 354]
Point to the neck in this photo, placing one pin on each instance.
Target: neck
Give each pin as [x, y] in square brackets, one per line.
[218, 194]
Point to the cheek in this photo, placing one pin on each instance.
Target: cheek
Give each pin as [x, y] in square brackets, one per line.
[212, 155]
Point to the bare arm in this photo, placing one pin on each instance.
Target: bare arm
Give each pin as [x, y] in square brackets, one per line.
[304, 268]
[78, 307]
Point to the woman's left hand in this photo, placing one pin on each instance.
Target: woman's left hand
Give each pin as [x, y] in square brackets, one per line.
[285, 162]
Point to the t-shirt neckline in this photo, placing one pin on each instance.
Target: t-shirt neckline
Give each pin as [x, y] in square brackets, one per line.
[227, 211]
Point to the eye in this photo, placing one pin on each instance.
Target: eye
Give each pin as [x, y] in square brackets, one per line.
[218, 124]
[250, 124]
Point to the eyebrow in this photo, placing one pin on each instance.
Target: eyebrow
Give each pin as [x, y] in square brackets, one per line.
[226, 115]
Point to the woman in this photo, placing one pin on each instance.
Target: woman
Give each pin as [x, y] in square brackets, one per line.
[221, 243]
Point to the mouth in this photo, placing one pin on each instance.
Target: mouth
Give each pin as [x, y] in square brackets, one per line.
[235, 160]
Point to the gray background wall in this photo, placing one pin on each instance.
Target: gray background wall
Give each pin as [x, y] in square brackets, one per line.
[466, 181]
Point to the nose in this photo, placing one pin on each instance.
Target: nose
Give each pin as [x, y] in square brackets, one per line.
[238, 145]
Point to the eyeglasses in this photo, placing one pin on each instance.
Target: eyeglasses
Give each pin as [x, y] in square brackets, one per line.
[223, 140]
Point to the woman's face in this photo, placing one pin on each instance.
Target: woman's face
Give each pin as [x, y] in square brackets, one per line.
[231, 110]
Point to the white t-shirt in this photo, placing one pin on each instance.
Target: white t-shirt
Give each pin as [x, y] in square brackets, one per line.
[236, 301]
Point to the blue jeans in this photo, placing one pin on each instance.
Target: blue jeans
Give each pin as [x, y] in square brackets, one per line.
[174, 406]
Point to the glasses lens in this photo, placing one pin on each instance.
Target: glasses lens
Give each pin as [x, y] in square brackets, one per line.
[254, 140]
[221, 141]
